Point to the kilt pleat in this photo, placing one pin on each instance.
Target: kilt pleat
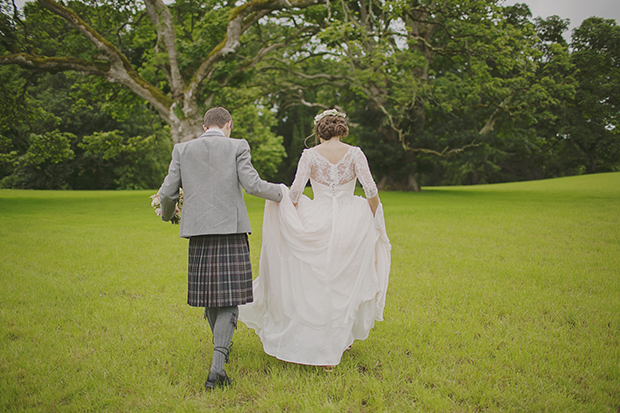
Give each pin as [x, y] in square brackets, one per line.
[219, 271]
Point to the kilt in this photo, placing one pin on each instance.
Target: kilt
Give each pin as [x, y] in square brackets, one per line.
[219, 271]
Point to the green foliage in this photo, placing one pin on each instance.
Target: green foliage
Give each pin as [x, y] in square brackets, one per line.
[44, 165]
[50, 148]
[133, 163]
[295, 128]
[497, 94]
[592, 136]
[144, 162]
[104, 145]
[204, 27]
[106, 160]
[50, 35]
[102, 125]
[256, 127]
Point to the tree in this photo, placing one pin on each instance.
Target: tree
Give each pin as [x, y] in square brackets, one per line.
[196, 48]
[39, 40]
[450, 92]
[592, 136]
[524, 142]
[420, 80]
[44, 165]
[75, 107]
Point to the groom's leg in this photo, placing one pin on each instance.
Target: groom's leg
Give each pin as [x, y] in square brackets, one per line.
[211, 316]
[223, 329]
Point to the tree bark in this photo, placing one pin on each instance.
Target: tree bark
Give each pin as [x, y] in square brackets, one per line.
[162, 20]
[413, 184]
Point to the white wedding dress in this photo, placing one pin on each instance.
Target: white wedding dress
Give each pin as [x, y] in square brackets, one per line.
[324, 264]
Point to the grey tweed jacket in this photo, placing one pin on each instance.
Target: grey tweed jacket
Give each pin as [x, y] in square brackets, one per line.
[212, 169]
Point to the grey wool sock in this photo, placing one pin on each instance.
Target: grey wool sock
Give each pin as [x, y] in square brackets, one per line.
[225, 325]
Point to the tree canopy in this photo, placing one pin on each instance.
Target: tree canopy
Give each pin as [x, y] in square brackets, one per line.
[437, 92]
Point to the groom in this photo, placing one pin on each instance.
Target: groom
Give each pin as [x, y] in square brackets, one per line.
[212, 170]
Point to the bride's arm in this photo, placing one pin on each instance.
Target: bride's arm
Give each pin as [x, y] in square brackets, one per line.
[374, 203]
[301, 177]
[365, 177]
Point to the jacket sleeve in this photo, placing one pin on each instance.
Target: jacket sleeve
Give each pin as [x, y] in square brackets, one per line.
[249, 178]
[169, 191]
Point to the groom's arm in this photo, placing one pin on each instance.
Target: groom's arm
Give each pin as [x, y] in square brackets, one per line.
[169, 191]
[249, 178]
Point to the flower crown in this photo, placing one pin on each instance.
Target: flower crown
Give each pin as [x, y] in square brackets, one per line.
[329, 112]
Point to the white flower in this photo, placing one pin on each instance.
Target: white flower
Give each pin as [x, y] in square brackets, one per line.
[156, 205]
[329, 112]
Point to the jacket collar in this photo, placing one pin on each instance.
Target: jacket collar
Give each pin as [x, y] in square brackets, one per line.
[212, 132]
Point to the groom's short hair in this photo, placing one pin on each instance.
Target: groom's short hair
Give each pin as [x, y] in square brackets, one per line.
[217, 117]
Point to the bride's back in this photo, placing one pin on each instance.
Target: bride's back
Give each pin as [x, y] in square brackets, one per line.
[333, 151]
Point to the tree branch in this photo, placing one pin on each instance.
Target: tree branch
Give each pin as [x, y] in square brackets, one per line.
[303, 75]
[56, 64]
[122, 26]
[445, 153]
[120, 69]
[300, 100]
[162, 20]
[311, 105]
[488, 127]
[238, 22]
[401, 133]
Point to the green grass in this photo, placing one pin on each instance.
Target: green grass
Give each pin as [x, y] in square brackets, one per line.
[502, 298]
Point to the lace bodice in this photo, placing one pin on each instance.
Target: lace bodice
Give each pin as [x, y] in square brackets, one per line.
[352, 165]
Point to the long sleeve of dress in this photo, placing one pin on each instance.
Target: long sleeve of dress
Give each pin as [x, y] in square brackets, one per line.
[364, 176]
[301, 177]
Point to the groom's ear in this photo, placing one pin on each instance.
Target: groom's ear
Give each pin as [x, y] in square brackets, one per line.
[204, 128]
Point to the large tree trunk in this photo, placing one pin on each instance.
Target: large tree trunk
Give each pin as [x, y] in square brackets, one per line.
[189, 125]
[185, 129]
[413, 184]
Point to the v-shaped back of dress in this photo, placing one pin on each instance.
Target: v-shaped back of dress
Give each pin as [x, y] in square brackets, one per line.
[332, 174]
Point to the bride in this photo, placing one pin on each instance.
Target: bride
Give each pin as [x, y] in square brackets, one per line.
[325, 262]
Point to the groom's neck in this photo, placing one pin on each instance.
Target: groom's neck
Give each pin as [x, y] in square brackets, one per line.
[215, 128]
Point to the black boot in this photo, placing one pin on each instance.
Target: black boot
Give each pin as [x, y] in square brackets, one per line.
[216, 380]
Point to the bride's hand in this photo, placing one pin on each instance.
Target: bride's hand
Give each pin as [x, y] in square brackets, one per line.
[374, 204]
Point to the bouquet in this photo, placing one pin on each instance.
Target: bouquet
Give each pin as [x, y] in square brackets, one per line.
[156, 204]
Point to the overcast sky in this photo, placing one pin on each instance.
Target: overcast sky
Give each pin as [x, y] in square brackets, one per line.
[575, 10]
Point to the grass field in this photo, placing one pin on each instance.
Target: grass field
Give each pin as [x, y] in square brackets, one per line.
[502, 298]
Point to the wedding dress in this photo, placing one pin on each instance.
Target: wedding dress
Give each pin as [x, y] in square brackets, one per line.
[324, 264]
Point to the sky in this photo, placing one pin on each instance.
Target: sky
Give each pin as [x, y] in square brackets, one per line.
[575, 10]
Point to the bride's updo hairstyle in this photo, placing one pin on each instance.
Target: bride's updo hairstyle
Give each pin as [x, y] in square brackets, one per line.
[329, 124]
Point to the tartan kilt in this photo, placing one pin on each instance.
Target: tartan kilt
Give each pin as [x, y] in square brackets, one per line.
[219, 271]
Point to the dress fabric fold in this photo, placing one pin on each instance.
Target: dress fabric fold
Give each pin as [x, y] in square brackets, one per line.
[323, 275]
